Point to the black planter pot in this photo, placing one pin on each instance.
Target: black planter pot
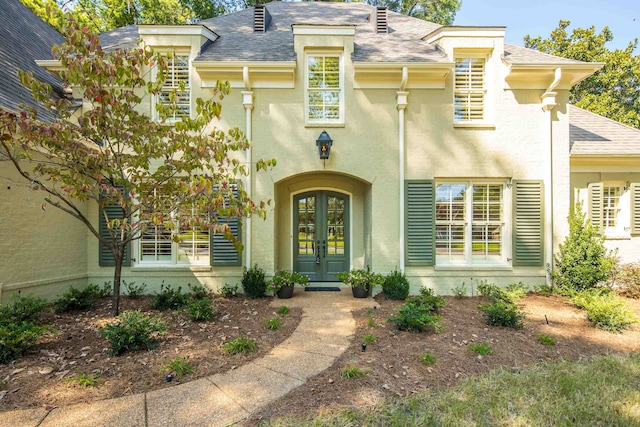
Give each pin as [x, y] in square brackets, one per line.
[361, 291]
[285, 292]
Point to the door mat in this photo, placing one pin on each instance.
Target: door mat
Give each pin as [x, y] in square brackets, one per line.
[322, 289]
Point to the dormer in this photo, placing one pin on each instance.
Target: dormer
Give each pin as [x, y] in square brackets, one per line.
[479, 39]
[195, 38]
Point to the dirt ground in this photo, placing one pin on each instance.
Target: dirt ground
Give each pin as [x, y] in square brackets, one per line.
[392, 362]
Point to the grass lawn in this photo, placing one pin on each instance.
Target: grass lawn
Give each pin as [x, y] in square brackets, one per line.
[601, 391]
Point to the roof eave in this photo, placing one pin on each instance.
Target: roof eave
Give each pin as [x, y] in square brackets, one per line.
[540, 75]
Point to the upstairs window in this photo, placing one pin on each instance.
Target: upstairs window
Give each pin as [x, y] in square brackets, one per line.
[177, 85]
[324, 89]
[469, 90]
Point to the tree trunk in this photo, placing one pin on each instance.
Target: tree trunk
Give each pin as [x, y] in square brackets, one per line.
[116, 280]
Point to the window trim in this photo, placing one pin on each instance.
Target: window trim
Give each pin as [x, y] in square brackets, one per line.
[324, 123]
[188, 89]
[487, 120]
[506, 231]
[622, 230]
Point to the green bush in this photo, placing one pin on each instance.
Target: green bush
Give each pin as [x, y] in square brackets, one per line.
[198, 291]
[133, 331]
[180, 366]
[169, 298]
[417, 317]
[582, 261]
[201, 310]
[134, 291]
[239, 345]
[27, 308]
[427, 302]
[273, 323]
[627, 279]
[228, 291]
[253, 282]
[395, 285]
[502, 313]
[76, 299]
[605, 310]
[16, 338]
[459, 291]
[483, 349]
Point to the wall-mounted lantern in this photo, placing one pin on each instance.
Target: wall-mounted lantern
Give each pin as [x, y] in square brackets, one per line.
[324, 143]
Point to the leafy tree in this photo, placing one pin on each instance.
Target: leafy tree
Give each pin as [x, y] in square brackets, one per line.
[613, 91]
[439, 11]
[111, 154]
[112, 14]
[50, 11]
[582, 261]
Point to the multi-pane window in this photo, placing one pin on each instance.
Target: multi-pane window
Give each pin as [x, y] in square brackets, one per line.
[469, 223]
[176, 87]
[469, 90]
[169, 240]
[611, 206]
[324, 89]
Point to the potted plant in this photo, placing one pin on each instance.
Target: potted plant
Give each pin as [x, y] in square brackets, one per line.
[360, 280]
[283, 282]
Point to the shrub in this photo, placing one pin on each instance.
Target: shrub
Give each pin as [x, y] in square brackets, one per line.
[239, 345]
[201, 310]
[198, 291]
[133, 331]
[76, 299]
[428, 359]
[582, 261]
[228, 291]
[544, 289]
[27, 308]
[415, 318]
[180, 366]
[16, 338]
[628, 279]
[273, 323]
[134, 291]
[427, 292]
[395, 285]
[483, 349]
[369, 338]
[459, 291]
[428, 302]
[512, 294]
[605, 310]
[371, 322]
[253, 282]
[169, 298]
[502, 313]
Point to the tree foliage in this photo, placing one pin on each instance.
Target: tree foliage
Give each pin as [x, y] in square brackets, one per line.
[110, 153]
[613, 91]
[439, 11]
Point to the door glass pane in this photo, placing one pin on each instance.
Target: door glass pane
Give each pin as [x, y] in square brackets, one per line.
[335, 225]
[306, 225]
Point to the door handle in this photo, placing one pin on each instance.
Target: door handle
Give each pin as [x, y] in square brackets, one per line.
[318, 253]
[324, 247]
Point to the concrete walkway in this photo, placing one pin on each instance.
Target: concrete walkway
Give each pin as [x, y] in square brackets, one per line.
[324, 333]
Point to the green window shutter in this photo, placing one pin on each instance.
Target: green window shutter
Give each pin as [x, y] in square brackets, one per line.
[223, 251]
[635, 208]
[596, 211]
[528, 223]
[105, 256]
[420, 223]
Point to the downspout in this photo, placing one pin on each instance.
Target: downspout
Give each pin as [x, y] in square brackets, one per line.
[548, 104]
[401, 105]
[247, 102]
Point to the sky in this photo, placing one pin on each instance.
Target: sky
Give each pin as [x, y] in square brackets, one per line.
[539, 18]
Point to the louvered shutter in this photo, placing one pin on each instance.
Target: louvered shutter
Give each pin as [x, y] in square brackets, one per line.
[469, 89]
[528, 223]
[635, 208]
[420, 223]
[223, 251]
[105, 256]
[596, 211]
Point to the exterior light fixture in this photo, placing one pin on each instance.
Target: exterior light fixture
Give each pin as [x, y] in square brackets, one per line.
[324, 143]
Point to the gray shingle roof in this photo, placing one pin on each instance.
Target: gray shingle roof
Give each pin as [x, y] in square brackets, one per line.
[123, 38]
[592, 134]
[24, 37]
[522, 55]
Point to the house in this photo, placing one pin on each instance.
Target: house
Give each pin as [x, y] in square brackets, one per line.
[440, 151]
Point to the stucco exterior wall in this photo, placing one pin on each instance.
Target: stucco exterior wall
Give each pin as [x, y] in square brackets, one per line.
[43, 251]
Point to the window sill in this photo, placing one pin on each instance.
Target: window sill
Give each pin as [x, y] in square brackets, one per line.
[617, 236]
[488, 267]
[324, 125]
[165, 267]
[471, 125]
